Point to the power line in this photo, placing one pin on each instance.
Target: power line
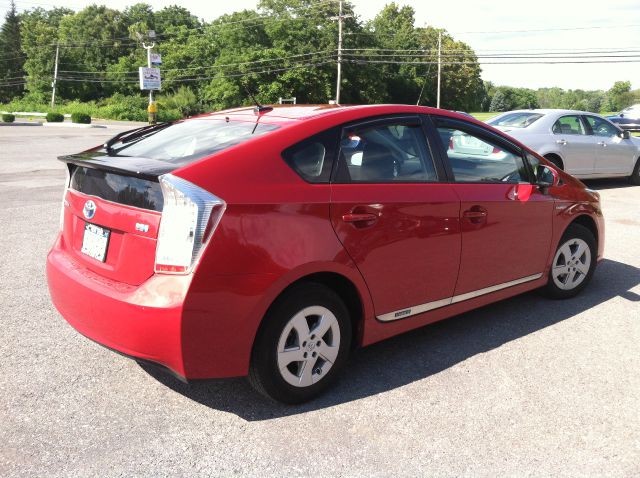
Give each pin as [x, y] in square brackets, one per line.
[502, 56]
[558, 29]
[532, 50]
[216, 66]
[206, 78]
[497, 32]
[391, 62]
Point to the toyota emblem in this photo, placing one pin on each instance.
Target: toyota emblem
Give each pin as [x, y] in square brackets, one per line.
[89, 209]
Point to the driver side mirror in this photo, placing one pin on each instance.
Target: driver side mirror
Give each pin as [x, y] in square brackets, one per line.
[547, 177]
[624, 134]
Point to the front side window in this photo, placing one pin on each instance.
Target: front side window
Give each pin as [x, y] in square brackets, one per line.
[600, 127]
[476, 159]
[569, 125]
[385, 154]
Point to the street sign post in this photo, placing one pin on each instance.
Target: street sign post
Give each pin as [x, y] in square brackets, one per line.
[156, 59]
[149, 78]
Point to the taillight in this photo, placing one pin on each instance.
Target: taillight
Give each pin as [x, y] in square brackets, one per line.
[190, 216]
[64, 203]
[496, 150]
[451, 143]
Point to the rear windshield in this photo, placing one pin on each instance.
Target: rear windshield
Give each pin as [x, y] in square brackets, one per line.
[189, 140]
[515, 120]
[114, 187]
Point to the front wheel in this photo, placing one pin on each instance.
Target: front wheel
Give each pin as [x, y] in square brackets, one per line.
[635, 176]
[573, 263]
[302, 344]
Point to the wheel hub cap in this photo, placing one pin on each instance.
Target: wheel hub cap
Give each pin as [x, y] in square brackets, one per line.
[308, 346]
[571, 264]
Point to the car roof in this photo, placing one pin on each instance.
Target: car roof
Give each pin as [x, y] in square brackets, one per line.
[293, 113]
[546, 111]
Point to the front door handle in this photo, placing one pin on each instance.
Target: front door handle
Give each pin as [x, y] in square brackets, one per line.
[603, 144]
[353, 217]
[561, 142]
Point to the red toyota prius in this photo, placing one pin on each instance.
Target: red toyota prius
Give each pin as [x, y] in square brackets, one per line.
[270, 242]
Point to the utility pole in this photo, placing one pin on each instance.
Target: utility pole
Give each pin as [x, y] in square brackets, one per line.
[340, 18]
[55, 76]
[439, 66]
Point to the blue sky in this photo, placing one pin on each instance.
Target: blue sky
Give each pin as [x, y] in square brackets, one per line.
[491, 27]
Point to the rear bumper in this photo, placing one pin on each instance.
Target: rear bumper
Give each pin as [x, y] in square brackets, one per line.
[144, 322]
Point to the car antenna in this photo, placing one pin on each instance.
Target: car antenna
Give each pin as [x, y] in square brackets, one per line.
[259, 108]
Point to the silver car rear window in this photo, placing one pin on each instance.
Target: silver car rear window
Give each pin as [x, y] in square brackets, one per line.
[515, 120]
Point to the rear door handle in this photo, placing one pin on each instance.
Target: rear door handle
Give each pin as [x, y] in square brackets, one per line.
[359, 217]
[475, 215]
[561, 142]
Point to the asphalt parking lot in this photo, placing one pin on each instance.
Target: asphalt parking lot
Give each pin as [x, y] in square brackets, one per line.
[527, 386]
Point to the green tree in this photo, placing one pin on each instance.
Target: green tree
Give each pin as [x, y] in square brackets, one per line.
[12, 60]
[90, 41]
[39, 35]
[618, 97]
[393, 29]
[502, 100]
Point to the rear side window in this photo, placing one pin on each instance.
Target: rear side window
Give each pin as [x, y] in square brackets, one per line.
[190, 140]
[312, 158]
[569, 125]
[386, 153]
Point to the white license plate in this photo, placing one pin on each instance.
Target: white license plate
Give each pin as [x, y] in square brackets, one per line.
[95, 241]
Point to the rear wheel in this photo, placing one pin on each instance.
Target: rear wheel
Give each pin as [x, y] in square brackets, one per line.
[635, 177]
[573, 263]
[302, 345]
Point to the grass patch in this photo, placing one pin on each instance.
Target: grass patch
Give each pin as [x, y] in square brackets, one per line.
[484, 116]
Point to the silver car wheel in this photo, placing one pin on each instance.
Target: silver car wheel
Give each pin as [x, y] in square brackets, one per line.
[571, 264]
[308, 346]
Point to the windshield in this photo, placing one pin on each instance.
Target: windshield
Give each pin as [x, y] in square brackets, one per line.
[631, 109]
[189, 140]
[515, 120]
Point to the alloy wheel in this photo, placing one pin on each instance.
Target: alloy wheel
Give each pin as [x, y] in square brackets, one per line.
[571, 264]
[308, 346]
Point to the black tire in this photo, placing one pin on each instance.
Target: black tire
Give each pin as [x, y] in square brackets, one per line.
[635, 177]
[574, 233]
[264, 373]
[555, 160]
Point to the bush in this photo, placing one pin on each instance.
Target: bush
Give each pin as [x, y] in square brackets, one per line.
[81, 118]
[55, 117]
[8, 118]
[121, 107]
[183, 100]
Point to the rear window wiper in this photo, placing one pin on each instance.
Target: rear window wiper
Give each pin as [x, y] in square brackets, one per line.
[130, 135]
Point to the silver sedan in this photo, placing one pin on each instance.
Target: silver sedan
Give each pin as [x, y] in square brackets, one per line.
[584, 144]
